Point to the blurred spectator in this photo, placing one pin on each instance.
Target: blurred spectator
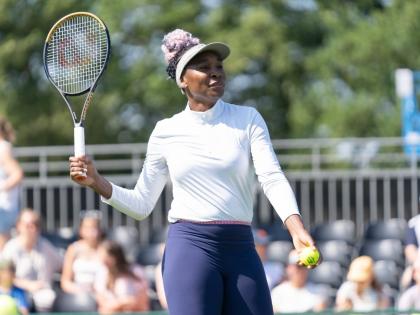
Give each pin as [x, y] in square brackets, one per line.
[411, 250]
[10, 177]
[7, 277]
[122, 288]
[295, 294]
[160, 291]
[412, 239]
[410, 299]
[81, 260]
[273, 270]
[361, 292]
[35, 258]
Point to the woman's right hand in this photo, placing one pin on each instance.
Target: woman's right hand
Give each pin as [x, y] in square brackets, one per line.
[82, 170]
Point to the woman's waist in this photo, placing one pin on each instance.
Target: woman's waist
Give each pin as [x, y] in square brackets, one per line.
[217, 231]
[211, 214]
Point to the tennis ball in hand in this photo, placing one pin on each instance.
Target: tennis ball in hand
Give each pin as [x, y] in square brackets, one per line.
[309, 256]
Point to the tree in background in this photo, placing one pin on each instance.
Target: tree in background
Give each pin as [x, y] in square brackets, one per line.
[313, 68]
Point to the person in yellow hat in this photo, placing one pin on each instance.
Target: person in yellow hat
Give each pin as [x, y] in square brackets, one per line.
[361, 292]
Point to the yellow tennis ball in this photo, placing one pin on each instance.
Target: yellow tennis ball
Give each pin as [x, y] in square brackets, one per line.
[309, 256]
[8, 305]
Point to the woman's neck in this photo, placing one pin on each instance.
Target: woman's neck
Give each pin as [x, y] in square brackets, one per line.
[199, 106]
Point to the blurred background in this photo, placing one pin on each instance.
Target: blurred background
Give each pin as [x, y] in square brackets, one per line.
[313, 68]
[322, 73]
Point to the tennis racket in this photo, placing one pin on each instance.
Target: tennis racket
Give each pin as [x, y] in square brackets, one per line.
[76, 53]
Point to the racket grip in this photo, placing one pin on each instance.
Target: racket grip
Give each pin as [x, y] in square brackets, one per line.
[79, 141]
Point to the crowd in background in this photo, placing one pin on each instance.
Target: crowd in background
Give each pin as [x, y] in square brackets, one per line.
[36, 274]
[92, 266]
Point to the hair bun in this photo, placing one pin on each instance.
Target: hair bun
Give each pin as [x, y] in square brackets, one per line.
[176, 41]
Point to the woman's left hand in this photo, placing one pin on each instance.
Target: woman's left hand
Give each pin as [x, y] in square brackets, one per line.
[303, 240]
[300, 236]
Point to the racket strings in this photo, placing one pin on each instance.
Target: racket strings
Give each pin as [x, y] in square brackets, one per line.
[77, 53]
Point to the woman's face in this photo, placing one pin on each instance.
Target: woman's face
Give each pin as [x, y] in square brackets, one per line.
[364, 284]
[28, 226]
[6, 277]
[106, 259]
[204, 78]
[90, 230]
[297, 275]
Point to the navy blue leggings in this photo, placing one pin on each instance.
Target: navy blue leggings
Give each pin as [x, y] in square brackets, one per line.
[213, 269]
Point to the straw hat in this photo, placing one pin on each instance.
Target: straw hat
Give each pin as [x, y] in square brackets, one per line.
[361, 269]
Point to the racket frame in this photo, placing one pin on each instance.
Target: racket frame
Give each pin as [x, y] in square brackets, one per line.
[79, 134]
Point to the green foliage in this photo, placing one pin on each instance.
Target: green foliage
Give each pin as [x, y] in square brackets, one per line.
[313, 68]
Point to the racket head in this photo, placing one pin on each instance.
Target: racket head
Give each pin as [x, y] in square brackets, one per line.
[76, 52]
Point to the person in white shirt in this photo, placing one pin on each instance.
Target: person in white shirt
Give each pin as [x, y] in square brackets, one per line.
[411, 252]
[210, 151]
[410, 298]
[11, 176]
[81, 262]
[35, 258]
[295, 294]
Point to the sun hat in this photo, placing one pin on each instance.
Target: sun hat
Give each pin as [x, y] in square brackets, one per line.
[361, 269]
[179, 47]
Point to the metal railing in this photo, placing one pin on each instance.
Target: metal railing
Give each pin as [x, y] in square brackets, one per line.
[296, 154]
[361, 179]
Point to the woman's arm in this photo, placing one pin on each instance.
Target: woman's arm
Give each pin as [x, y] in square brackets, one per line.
[300, 236]
[66, 281]
[137, 202]
[275, 184]
[272, 179]
[159, 286]
[125, 298]
[30, 285]
[12, 168]
[343, 300]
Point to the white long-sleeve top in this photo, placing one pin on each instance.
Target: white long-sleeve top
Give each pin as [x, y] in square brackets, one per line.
[209, 157]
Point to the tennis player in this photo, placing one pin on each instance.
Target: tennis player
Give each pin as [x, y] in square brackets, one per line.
[210, 151]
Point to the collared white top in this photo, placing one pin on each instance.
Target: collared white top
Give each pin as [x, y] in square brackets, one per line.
[211, 158]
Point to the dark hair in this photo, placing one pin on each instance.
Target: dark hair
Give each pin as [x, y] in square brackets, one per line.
[174, 45]
[171, 68]
[122, 266]
[6, 130]
[96, 215]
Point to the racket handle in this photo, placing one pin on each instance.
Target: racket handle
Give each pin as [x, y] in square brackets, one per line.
[79, 141]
